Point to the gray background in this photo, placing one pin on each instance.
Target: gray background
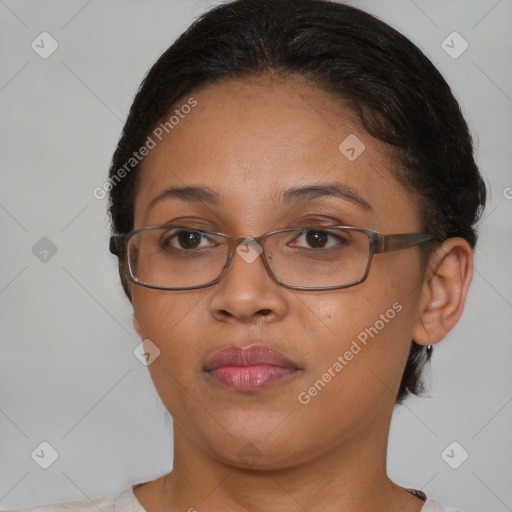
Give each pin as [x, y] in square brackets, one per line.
[68, 375]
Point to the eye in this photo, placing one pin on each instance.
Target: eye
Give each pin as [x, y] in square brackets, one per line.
[321, 239]
[184, 240]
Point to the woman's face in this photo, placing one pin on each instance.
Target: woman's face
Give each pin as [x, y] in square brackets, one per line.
[249, 142]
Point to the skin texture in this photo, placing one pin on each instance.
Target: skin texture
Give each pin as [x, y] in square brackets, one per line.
[248, 140]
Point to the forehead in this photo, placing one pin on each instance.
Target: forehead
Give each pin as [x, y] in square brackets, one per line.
[249, 140]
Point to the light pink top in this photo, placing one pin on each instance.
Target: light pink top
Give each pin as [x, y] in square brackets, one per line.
[126, 501]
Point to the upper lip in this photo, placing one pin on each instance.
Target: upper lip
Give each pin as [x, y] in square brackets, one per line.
[247, 356]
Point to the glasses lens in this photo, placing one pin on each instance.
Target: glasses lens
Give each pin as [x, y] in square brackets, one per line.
[176, 257]
[318, 257]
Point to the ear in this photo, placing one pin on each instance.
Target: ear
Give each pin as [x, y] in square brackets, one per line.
[444, 291]
[136, 326]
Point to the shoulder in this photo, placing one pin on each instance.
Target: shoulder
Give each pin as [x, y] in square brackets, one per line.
[105, 504]
[125, 501]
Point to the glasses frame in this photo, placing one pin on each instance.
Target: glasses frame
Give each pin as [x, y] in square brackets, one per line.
[378, 244]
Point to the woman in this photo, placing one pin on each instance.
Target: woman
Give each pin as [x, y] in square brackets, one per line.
[293, 203]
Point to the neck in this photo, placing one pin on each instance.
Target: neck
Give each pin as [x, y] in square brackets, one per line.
[351, 475]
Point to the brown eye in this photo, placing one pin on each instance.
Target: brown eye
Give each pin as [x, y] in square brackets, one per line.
[320, 239]
[317, 238]
[182, 239]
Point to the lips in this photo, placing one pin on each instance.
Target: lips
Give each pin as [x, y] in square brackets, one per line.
[249, 368]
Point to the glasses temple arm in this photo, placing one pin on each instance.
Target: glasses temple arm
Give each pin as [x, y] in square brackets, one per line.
[387, 243]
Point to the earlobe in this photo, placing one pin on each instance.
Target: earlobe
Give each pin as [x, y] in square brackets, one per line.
[444, 291]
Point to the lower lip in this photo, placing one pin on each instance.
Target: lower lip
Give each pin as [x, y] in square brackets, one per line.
[250, 378]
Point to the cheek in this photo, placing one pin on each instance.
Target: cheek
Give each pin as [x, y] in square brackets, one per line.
[336, 318]
[354, 369]
[363, 334]
[171, 320]
[357, 366]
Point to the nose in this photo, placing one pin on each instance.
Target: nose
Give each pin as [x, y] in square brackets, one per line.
[247, 292]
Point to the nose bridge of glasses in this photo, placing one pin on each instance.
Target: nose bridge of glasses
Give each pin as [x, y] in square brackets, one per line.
[234, 242]
[248, 248]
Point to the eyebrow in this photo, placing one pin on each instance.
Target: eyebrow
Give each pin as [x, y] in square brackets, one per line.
[310, 192]
[292, 195]
[189, 193]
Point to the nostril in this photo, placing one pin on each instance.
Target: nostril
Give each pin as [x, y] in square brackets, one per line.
[265, 312]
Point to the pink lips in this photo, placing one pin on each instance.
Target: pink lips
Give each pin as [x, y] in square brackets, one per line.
[250, 368]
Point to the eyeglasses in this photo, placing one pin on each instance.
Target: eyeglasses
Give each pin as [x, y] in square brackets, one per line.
[177, 257]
